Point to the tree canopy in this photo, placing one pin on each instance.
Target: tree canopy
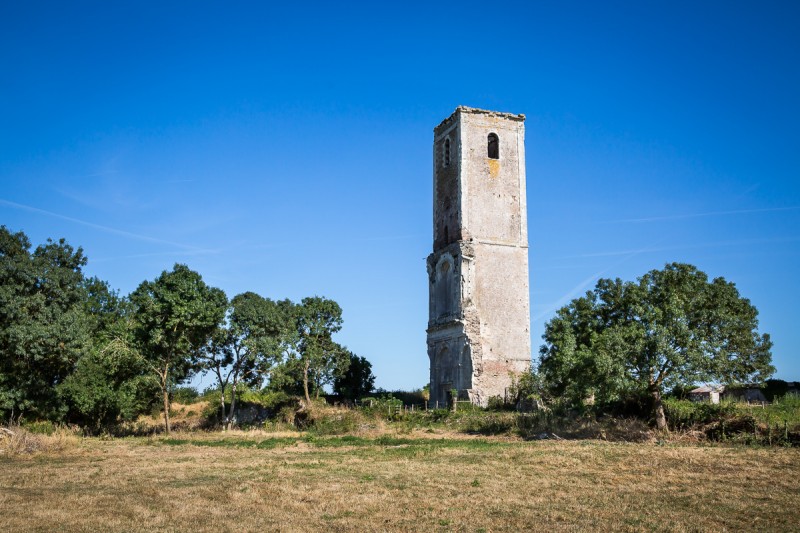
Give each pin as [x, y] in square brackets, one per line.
[671, 326]
[321, 358]
[257, 335]
[44, 328]
[357, 381]
[72, 349]
[174, 318]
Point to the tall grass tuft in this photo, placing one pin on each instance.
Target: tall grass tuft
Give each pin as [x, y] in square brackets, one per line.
[18, 441]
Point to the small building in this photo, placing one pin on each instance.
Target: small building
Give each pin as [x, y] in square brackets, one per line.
[745, 393]
[706, 393]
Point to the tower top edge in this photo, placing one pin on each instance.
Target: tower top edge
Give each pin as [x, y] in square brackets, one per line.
[462, 109]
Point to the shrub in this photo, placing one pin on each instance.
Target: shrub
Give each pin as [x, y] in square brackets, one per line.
[185, 395]
[684, 414]
[40, 427]
[496, 403]
[272, 400]
[416, 396]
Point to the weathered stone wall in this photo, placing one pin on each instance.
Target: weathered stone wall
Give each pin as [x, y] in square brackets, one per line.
[446, 192]
[478, 332]
[494, 189]
[501, 300]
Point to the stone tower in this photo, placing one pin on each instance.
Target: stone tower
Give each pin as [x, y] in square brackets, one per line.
[479, 325]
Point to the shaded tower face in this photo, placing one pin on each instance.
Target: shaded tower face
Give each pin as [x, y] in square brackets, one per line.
[479, 312]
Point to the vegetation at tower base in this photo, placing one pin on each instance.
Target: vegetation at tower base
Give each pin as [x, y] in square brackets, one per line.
[175, 317]
[633, 339]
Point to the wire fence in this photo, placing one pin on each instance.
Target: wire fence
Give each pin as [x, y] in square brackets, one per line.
[398, 407]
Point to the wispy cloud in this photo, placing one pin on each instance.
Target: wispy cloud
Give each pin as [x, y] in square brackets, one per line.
[386, 238]
[172, 253]
[706, 214]
[583, 284]
[297, 244]
[629, 254]
[100, 227]
[715, 244]
[572, 293]
[103, 173]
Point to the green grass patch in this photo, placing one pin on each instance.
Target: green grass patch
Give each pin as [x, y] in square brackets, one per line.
[277, 442]
[398, 445]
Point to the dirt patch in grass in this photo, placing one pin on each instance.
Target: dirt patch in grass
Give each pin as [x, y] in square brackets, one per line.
[293, 482]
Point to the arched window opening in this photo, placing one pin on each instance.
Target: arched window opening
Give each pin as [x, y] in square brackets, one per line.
[494, 146]
[446, 153]
[446, 235]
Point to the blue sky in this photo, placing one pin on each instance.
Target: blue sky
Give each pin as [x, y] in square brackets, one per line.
[287, 150]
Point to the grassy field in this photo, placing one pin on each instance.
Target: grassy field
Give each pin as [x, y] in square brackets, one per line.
[419, 481]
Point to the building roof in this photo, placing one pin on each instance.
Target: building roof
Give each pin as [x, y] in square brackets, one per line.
[475, 111]
[706, 389]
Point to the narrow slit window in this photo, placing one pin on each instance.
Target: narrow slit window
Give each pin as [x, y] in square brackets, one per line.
[494, 146]
[446, 153]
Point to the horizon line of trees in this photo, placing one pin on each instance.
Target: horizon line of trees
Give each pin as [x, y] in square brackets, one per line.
[74, 350]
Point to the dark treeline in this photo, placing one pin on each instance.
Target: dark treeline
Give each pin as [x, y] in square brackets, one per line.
[74, 350]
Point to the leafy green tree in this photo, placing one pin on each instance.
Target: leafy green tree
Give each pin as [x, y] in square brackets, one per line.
[174, 318]
[357, 381]
[287, 377]
[257, 335]
[111, 382]
[321, 359]
[106, 311]
[43, 324]
[109, 385]
[672, 326]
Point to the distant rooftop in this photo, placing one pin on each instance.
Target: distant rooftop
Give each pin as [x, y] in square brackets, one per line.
[706, 389]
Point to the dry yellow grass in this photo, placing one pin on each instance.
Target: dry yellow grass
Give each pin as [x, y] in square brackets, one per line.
[15, 441]
[285, 482]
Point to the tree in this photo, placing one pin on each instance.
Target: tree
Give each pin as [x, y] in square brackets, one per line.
[256, 337]
[357, 381]
[321, 359]
[174, 318]
[108, 385]
[671, 326]
[43, 325]
[110, 381]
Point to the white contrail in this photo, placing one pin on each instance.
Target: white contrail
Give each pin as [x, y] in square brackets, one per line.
[716, 244]
[569, 295]
[706, 214]
[588, 281]
[100, 227]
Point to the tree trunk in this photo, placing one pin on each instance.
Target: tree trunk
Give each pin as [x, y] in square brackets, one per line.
[222, 405]
[166, 408]
[165, 391]
[305, 384]
[233, 405]
[222, 384]
[658, 408]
